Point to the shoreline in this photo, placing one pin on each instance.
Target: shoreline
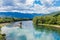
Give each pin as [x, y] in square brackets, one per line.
[3, 24]
[57, 26]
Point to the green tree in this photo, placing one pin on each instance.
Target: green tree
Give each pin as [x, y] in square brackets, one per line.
[52, 20]
[41, 19]
[35, 21]
[1, 20]
[58, 19]
[8, 19]
[47, 19]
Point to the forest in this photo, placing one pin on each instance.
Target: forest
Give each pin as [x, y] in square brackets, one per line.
[10, 19]
[52, 18]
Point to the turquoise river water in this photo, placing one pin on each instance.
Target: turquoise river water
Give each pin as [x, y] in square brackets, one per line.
[27, 32]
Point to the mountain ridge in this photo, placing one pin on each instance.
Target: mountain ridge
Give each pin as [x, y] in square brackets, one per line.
[19, 15]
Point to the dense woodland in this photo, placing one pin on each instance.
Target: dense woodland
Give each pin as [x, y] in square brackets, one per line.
[9, 19]
[53, 18]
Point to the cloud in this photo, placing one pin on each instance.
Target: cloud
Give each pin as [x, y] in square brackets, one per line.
[27, 6]
[47, 1]
[30, 3]
[52, 9]
[6, 8]
[1, 3]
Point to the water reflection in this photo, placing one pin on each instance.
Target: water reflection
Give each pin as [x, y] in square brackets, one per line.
[28, 32]
[48, 29]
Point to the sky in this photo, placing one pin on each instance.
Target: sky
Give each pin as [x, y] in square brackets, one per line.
[30, 6]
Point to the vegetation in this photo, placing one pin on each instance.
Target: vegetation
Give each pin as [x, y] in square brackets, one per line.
[9, 19]
[2, 37]
[48, 19]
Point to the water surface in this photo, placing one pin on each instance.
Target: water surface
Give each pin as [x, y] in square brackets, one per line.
[27, 32]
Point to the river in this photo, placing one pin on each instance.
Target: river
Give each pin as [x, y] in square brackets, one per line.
[27, 32]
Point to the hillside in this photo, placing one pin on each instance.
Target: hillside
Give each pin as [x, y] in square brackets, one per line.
[19, 15]
[54, 13]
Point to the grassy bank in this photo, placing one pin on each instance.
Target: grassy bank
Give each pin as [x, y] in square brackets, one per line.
[3, 24]
[57, 26]
[2, 36]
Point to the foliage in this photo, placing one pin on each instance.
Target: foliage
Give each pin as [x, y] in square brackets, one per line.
[2, 37]
[48, 19]
[35, 21]
[9, 19]
[58, 19]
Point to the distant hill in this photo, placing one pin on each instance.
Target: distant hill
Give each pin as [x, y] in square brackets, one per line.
[19, 15]
[54, 13]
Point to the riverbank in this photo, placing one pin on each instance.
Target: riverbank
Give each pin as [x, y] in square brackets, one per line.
[2, 36]
[3, 24]
[57, 26]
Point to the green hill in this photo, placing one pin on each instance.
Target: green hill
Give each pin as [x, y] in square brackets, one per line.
[54, 13]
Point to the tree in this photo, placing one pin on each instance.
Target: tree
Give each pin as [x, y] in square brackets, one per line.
[58, 19]
[35, 21]
[52, 20]
[8, 19]
[41, 20]
[47, 19]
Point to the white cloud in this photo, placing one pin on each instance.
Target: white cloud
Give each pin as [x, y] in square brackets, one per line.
[29, 3]
[44, 2]
[51, 9]
[4, 8]
[1, 3]
[26, 6]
